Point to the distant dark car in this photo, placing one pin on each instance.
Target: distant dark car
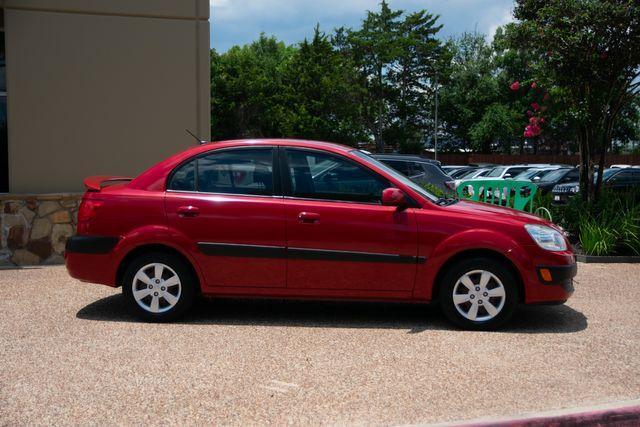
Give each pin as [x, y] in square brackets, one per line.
[558, 176]
[617, 179]
[418, 169]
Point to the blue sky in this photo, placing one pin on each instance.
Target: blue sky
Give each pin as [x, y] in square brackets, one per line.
[241, 21]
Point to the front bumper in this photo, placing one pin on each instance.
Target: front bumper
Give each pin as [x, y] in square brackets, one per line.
[558, 275]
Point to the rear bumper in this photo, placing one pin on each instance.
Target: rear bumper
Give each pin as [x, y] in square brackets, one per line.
[91, 259]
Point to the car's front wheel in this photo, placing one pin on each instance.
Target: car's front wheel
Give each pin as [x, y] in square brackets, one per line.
[479, 293]
[158, 287]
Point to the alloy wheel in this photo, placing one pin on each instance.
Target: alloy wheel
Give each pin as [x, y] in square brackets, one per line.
[479, 295]
[156, 288]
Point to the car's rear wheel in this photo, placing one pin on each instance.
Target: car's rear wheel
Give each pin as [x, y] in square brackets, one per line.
[479, 293]
[159, 287]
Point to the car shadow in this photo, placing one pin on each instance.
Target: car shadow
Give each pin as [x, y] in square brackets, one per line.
[415, 318]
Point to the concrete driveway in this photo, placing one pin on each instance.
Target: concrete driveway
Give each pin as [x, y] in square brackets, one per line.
[70, 354]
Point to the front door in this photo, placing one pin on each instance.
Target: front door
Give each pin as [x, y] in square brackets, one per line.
[339, 236]
[227, 205]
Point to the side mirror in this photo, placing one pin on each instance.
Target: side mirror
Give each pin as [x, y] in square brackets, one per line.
[394, 197]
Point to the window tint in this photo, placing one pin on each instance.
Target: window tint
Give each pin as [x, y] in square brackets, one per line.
[402, 167]
[183, 179]
[415, 169]
[328, 177]
[247, 171]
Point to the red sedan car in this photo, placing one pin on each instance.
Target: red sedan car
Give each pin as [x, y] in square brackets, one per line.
[304, 219]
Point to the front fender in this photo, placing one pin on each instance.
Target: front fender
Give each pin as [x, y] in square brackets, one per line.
[467, 241]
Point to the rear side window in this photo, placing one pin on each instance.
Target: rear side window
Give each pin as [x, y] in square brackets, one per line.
[323, 176]
[184, 178]
[245, 171]
[248, 171]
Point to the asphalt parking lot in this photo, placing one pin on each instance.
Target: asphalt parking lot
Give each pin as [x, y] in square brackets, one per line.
[71, 354]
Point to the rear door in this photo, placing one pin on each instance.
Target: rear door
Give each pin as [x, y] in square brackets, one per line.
[228, 205]
[339, 236]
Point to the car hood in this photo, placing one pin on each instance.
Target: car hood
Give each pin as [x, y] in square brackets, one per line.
[493, 212]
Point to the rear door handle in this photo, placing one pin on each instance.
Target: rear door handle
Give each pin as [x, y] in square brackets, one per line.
[308, 217]
[188, 211]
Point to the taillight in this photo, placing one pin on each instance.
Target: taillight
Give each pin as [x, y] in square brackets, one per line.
[86, 212]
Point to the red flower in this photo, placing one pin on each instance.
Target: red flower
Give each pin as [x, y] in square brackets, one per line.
[534, 85]
[546, 97]
[533, 120]
[515, 86]
[541, 120]
[535, 106]
[529, 113]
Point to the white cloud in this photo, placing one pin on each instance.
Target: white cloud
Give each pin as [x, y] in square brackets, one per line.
[241, 21]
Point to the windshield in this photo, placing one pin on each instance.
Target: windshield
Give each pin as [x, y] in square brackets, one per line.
[528, 174]
[397, 175]
[495, 172]
[472, 173]
[556, 175]
[607, 174]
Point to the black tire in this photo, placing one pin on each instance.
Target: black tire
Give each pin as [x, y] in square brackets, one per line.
[185, 296]
[501, 271]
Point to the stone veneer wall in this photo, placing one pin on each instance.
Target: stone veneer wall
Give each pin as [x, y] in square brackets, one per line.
[35, 228]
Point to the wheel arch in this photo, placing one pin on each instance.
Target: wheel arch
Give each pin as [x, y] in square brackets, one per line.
[155, 247]
[475, 253]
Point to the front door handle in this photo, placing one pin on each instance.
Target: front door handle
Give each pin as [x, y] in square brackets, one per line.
[308, 217]
[188, 211]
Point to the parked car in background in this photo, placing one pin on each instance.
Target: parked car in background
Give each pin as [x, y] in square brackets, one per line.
[535, 174]
[418, 169]
[449, 169]
[304, 219]
[617, 179]
[558, 176]
[471, 174]
[507, 172]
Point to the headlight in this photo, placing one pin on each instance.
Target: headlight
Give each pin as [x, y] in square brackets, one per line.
[546, 237]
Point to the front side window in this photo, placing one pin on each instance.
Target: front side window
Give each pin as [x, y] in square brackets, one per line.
[324, 176]
[244, 171]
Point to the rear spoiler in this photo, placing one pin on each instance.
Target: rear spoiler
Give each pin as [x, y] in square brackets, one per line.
[97, 183]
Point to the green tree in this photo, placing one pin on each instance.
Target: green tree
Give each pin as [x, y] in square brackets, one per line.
[325, 93]
[590, 49]
[470, 88]
[395, 55]
[248, 92]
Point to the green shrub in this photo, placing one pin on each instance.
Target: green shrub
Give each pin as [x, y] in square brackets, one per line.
[435, 190]
[597, 239]
[610, 226]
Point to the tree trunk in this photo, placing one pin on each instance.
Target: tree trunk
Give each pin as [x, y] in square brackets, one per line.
[585, 163]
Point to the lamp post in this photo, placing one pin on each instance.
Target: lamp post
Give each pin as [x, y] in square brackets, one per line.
[435, 131]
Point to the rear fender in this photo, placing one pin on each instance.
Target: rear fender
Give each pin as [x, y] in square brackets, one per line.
[156, 235]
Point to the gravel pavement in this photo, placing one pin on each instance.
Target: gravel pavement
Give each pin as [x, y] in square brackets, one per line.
[71, 354]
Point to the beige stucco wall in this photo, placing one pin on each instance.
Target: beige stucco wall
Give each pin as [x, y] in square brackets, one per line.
[102, 87]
